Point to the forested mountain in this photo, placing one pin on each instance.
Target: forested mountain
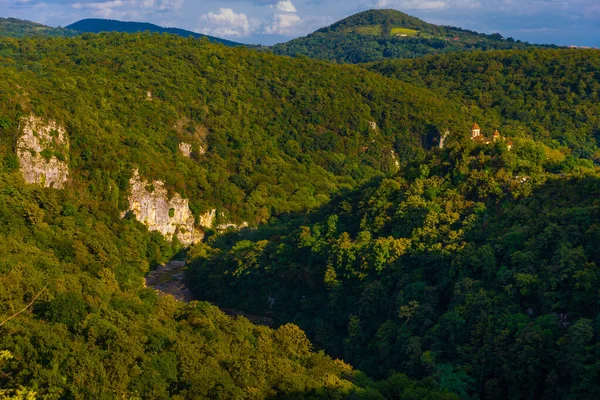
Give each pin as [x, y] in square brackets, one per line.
[97, 25]
[312, 193]
[265, 136]
[552, 95]
[272, 135]
[93, 332]
[389, 34]
[475, 266]
[17, 28]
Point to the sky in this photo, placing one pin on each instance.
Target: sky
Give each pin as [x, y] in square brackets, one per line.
[562, 22]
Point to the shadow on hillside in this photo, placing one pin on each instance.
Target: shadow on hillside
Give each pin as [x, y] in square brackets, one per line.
[285, 223]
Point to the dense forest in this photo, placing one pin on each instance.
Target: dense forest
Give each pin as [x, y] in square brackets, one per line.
[475, 266]
[94, 332]
[97, 25]
[467, 270]
[279, 134]
[550, 95]
[17, 28]
[389, 34]
[75, 318]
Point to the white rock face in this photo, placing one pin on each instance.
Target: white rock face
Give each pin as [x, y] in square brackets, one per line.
[373, 125]
[395, 159]
[185, 149]
[208, 220]
[170, 217]
[43, 136]
[443, 138]
[224, 227]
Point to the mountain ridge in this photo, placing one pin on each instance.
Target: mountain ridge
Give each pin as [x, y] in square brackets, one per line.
[375, 35]
[97, 25]
[14, 27]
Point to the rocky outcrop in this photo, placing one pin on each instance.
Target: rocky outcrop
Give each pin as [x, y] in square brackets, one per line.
[207, 220]
[224, 227]
[185, 149]
[443, 138]
[395, 159]
[152, 207]
[43, 151]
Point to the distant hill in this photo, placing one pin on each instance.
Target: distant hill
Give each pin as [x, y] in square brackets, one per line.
[389, 34]
[17, 28]
[96, 25]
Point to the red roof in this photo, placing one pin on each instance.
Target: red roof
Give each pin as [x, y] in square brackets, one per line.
[475, 126]
[496, 133]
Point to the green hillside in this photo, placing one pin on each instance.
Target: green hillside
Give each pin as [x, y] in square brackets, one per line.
[279, 143]
[476, 267]
[389, 34]
[16, 28]
[314, 194]
[550, 95]
[97, 25]
[269, 136]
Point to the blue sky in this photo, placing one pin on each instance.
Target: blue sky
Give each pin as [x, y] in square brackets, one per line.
[564, 22]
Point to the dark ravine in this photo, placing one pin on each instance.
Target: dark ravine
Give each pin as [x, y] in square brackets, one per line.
[169, 279]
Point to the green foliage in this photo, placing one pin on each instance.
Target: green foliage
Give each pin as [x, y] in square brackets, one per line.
[457, 270]
[94, 331]
[67, 308]
[469, 270]
[280, 135]
[377, 35]
[16, 28]
[95, 25]
[552, 96]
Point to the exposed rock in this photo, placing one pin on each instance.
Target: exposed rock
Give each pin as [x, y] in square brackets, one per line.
[201, 149]
[170, 217]
[395, 159]
[373, 125]
[207, 220]
[43, 152]
[224, 227]
[443, 138]
[185, 149]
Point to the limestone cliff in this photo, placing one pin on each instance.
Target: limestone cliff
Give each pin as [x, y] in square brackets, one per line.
[207, 220]
[170, 217]
[43, 151]
[237, 227]
[185, 149]
[395, 160]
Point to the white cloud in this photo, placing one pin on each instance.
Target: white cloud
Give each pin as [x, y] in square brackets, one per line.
[163, 5]
[283, 24]
[128, 8]
[285, 6]
[225, 23]
[430, 5]
[285, 21]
